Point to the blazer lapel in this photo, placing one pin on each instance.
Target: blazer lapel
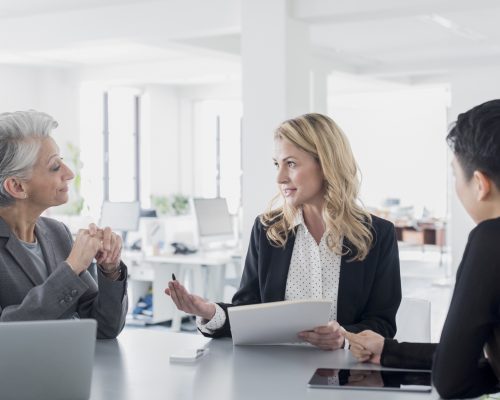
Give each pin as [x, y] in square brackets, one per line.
[279, 266]
[47, 247]
[350, 280]
[19, 253]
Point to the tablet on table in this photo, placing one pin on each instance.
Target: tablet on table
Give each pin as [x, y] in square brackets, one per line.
[400, 380]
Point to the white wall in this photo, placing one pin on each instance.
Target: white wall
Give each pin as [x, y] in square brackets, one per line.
[398, 139]
[59, 96]
[161, 118]
[19, 88]
[52, 90]
[91, 143]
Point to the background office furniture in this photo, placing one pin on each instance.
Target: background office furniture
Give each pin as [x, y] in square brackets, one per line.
[120, 216]
[422, 233]
[214, 224]
[413, 320]
[204, 271]
[136, 367]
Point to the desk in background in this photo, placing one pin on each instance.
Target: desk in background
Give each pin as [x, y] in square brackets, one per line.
[136, 366]
[206, 272]
[423, 233]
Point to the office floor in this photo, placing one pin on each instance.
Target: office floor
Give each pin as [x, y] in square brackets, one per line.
[422, 276]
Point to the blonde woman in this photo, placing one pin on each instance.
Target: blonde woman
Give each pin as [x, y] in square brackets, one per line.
[320, 243]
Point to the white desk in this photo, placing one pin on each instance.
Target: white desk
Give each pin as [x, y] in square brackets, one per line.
[136, 367]
[206, 271]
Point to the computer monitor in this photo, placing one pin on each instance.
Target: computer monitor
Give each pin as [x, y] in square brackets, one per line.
[148, 213]
[214, 223]
[120, 216]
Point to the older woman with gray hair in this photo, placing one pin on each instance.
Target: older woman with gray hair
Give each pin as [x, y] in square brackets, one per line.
[44, 274]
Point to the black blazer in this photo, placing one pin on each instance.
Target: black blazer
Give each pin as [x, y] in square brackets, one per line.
[369, 290]
[459, 369]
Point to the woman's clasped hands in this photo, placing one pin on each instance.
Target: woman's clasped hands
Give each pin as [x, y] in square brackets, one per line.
[366, 346]
[102, 244]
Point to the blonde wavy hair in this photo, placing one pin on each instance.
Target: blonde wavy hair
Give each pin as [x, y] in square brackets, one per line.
[343, 216]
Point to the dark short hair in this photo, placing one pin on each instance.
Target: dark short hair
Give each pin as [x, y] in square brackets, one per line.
[475, 140]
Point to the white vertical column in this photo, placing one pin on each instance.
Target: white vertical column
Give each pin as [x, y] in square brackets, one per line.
[275, 62]
[468, 89]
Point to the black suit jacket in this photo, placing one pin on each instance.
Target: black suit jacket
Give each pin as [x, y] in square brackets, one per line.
[369, 291]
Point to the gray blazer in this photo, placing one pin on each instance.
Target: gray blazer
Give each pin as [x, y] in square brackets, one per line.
[24, 295]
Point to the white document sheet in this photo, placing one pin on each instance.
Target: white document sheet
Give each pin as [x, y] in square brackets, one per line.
[277, 322]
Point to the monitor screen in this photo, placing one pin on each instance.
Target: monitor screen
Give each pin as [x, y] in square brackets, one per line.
[212, 217]
[120, 216]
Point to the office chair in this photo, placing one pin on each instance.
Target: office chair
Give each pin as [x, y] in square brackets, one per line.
[413, 320]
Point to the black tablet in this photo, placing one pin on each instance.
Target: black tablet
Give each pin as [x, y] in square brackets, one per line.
[402, 380]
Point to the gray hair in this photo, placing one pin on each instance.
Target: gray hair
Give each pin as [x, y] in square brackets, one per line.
[19, 146]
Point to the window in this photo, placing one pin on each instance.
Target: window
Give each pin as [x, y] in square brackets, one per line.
[121, 121]
[109, 145]
[217, 150]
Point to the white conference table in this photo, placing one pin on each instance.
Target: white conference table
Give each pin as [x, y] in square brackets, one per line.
[136, 366]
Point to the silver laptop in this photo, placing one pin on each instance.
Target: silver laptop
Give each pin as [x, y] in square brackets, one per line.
[47, 359]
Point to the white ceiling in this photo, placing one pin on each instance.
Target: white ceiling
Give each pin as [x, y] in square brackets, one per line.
[22, 8]
[429, 39]
[383, 38]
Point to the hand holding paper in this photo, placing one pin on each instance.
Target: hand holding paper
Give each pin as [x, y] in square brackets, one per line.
[326, 337]
[277, 322]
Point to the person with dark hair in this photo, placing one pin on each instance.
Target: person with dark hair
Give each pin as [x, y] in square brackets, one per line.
[466, 362]
[318, 243]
